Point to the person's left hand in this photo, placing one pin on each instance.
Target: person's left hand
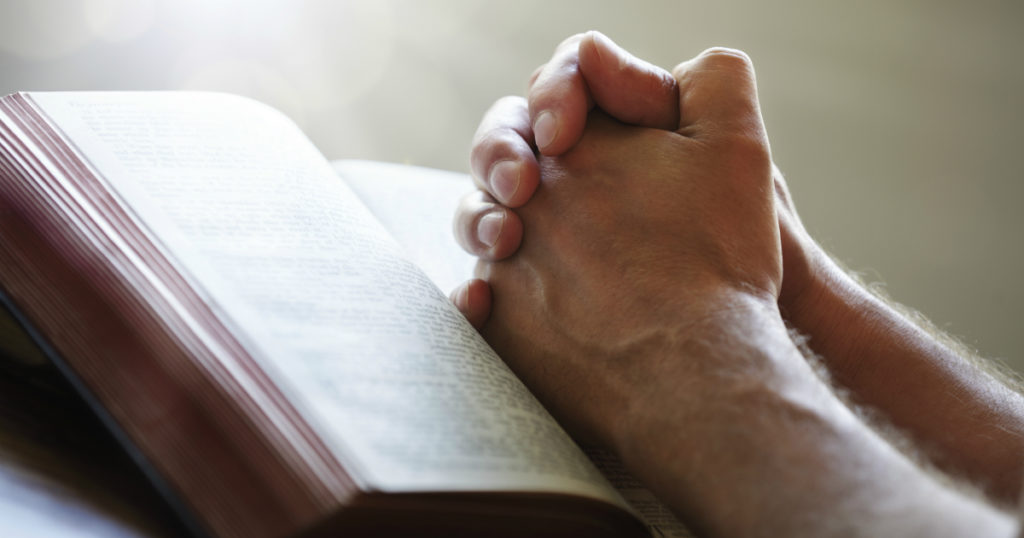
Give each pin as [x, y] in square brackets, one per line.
[636, 237]
[585, 71]
[588, 71]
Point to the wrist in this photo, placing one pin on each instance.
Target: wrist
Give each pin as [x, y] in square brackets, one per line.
[736, 412]
[724, 364]
[730, 409]
[830, 308]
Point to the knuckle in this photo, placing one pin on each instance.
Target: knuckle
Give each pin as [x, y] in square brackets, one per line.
[494, 143]
[481, 146]
[680, 71]
[746, 142]
[471, 206]
[504, 107]
[749, 148]
[664, 82]
[571, 41]
[726, 58]
[536, 74]
[508, 102]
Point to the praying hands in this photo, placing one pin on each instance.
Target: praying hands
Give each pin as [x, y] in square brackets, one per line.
[640, 259]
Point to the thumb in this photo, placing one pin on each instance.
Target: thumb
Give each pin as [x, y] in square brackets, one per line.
[627, 88]
[718, 93]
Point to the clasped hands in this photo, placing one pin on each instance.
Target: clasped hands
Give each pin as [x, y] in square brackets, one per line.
[651, 208]
[640, 260]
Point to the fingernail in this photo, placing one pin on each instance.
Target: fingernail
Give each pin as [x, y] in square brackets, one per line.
[462, 299]
[545, 129]
[489, 228]
[505, 179]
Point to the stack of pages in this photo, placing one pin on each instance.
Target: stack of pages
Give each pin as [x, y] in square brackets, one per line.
[268, 334]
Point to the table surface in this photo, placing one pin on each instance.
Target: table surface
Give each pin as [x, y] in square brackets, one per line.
[61, 472]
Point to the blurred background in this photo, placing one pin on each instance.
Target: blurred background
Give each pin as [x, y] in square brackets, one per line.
[898, 124]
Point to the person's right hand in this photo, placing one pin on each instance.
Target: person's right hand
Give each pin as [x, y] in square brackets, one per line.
[642, 312]
[858, 335]
[589, 70]
[646, 242]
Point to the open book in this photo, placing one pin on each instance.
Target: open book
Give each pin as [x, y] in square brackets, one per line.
[271, 341]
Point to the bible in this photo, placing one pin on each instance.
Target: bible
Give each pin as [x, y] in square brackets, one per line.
[267, 334]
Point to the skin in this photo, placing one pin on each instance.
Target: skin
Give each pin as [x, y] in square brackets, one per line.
[965, 420]
[643, 312]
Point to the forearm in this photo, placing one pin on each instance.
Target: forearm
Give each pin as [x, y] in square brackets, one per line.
[965, 419]
[772, 451]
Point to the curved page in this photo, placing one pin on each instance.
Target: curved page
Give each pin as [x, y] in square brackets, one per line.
[363, 343]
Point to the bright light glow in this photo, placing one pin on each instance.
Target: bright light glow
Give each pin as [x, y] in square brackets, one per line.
[249, 78]
[42, 29]
[303, 58]
[119, 20]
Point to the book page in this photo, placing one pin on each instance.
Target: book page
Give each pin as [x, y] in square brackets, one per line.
[660, 521]
[414, 204]
[370, 351]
